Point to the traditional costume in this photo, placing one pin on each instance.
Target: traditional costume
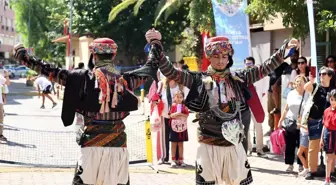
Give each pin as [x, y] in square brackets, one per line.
[220, 99]
[104, 98]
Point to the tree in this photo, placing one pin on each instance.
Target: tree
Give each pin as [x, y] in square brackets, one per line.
[127, 30]
[46, 24]
[294, 13]
[199, 13]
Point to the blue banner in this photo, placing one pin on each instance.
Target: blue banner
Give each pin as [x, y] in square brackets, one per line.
[232, 22]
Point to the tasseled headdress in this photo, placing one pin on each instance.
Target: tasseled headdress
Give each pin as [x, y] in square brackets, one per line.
[99, 47]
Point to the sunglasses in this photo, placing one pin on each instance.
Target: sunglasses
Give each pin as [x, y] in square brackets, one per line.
[323, 74]
[330, 61]
[301, 63]
[249, 64]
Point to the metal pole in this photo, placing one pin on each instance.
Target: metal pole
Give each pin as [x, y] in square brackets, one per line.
[70, 32]
[29, 5]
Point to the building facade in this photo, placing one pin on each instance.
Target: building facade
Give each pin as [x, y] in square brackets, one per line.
[7, 31]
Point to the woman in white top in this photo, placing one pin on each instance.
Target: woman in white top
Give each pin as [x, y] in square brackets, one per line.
[167, 89]
[293, 111]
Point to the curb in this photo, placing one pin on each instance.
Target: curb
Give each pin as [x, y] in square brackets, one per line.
[71, 170]
[23, 94]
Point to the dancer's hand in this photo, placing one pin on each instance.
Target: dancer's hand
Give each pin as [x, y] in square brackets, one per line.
[153, 35]
[293, 43]
[154, 38]
[20, 53]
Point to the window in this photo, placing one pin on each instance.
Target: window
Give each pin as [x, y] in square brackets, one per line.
[9, 22]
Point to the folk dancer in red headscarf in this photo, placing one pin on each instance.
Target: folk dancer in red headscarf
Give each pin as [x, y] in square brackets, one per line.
[219, 96]
[104, 98]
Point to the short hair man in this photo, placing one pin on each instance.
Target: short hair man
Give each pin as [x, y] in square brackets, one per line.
[43, 83]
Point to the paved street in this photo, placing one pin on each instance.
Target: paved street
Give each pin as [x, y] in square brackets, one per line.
[47, 142]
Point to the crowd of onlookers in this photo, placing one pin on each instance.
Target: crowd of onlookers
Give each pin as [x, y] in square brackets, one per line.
[308, 119]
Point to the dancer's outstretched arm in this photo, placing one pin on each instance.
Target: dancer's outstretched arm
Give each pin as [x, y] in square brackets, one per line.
[55, 74]
[166, 67]
[258, 72]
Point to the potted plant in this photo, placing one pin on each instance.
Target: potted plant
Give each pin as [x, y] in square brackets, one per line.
[30, 75]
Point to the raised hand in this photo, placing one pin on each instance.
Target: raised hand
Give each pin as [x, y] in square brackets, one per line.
[20, 52]
[153, 35]
[293, 43]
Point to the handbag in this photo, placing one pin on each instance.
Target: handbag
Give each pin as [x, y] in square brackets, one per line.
[179, 125]
[308, 106]
[290, 125]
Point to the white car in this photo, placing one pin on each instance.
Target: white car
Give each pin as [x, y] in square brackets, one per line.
[19, 71]
[10, 69]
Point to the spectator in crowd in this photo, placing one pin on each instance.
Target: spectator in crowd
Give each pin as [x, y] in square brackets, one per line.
[293, 111]
[249, 63]
[321, 102]
[180, 64]
[178, 128]
[330, 62]
[167, 89]
[302, 69]
[274, 91]
[42, 83]
[80, 65]
[328, 136]
[4, 80]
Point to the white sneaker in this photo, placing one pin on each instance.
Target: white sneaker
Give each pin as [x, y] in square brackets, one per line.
[173, 164]
[290, 168]
[262, 154]
[300, 168]
[304, 173]
[326, 183]
[160, 162]
[182, 164]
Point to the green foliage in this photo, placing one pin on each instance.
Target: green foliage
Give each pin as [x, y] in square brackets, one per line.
[198, 12]
[190, 41]
[31, 73]
[120, 7]
[295, 14]
[201, 16]
[46, 24]
[328, 20]
[126, 29]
